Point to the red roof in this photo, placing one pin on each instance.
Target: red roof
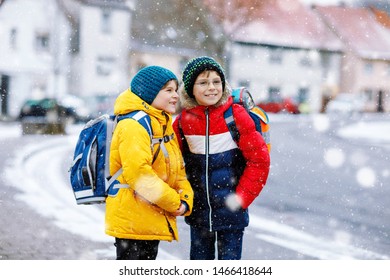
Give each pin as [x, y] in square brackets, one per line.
[382, 17]
[288, 23]
[359, 30]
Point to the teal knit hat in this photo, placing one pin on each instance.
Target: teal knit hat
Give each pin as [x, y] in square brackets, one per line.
[196, 66]
[149, 81]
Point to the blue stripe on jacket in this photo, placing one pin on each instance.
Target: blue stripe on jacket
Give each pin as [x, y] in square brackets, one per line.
[226, 165]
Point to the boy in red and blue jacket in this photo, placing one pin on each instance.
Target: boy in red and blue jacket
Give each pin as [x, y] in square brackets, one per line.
[226, 176]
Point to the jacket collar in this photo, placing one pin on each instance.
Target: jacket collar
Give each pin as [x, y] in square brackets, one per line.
[127, 102]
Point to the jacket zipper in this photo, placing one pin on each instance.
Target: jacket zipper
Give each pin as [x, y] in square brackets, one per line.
[207, 169]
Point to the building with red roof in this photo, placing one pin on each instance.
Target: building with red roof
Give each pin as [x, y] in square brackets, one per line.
[366, 60]
[287, 52]
[311, 54]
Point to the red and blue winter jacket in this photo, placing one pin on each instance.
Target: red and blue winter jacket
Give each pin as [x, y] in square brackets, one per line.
[218, 167]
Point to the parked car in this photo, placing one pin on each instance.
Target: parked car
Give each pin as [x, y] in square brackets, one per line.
[285, 105]
[50, 108]
[77, 105]
[100, 104]
[345, 103]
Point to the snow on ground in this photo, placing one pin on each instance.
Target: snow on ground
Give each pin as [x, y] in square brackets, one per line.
[375, 133]
[61, 202]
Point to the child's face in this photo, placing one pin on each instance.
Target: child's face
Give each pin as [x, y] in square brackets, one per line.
[208, 88]
[167, 98]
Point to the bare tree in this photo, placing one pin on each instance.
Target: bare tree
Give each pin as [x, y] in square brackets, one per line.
[176, 23]
[233, 14]
[202, 25]
[230, 16]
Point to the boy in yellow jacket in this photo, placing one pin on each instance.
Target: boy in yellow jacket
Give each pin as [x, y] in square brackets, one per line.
[145, 213]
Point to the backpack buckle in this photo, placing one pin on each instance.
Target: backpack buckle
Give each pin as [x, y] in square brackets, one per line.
[168, 138]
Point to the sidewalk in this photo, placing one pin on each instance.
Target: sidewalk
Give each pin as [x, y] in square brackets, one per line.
[26, 235]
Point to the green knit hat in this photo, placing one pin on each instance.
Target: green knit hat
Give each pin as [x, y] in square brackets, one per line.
[149, 81]
[196, 66]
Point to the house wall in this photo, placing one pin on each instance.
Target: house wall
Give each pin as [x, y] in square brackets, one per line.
[102, 64]
[256, 67]
[350, 64]
[366, 77]
[29, 65]
[373, 77]
[172, 61]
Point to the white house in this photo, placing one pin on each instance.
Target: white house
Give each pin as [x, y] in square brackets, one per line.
[30, 31]
[55, 47]
[100, 46]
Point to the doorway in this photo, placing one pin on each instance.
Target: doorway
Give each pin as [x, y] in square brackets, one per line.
[4, 89]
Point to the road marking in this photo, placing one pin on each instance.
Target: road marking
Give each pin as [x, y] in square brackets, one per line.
[307, 244]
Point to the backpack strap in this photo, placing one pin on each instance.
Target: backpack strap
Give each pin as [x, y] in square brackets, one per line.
[144, 119]
[161, 141]
[182, 137]
[231, 124]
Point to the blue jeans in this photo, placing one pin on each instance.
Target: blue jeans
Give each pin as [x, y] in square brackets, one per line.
[203, 241]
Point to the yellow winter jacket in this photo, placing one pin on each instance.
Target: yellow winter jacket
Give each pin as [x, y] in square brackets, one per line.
[143, 211]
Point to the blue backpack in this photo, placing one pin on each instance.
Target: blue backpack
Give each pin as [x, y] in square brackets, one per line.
[89, 173]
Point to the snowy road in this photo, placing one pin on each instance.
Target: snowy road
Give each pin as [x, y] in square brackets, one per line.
[42, 165]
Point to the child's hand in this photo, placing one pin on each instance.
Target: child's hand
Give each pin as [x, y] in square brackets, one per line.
[179, 212]
[233, 202]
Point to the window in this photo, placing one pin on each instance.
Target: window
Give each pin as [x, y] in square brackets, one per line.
[106, 21]
[13, 38]
[244, 83]
[368, 94]
[368, 68]
[275, 55]
[274, 94]
[104, 65]
[42, 42]
[74, 42]
[248, 52]
[306, 61]
[303, 94]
